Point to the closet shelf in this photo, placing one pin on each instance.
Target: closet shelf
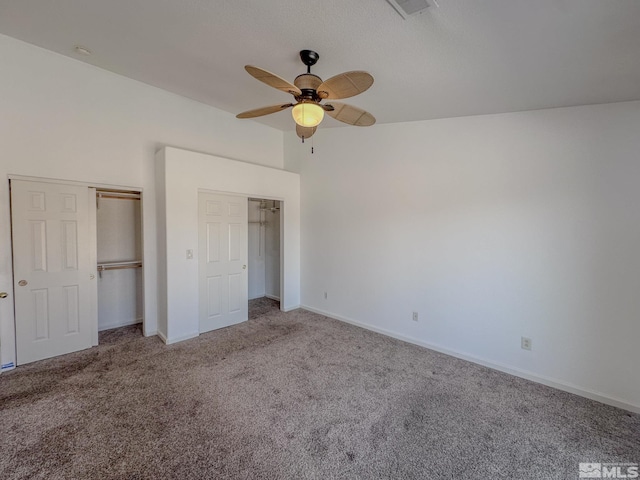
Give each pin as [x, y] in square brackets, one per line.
[120, 195]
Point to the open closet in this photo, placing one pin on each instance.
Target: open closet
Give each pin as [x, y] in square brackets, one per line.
[77, 265]
[119, 255]
[264, 248]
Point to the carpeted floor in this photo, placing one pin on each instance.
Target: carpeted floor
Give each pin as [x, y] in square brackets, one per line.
[293, 396]
[262, 306]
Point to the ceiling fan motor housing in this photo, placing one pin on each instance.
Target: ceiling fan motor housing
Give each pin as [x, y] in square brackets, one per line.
[308, 83]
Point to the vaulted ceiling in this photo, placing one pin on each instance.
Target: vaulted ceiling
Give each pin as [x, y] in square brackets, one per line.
[463, 57]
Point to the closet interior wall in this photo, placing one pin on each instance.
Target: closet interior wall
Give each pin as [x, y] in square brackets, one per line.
[119, 248]
[264, 248]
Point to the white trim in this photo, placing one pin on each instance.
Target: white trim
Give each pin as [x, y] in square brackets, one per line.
[62, 181]
[189, 336]
[517, 372]
[272, 297]
[242, 194]
[162, 337]
[93, 260]
[291, 308]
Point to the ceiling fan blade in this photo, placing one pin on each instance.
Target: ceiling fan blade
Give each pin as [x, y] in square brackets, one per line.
[345, 85]
[305, 132]
[259, 112]
[350, 114]
[272, 80]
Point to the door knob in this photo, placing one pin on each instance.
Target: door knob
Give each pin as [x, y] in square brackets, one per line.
[4, 294]
[244, 267]
[92, 276]
[22, 283]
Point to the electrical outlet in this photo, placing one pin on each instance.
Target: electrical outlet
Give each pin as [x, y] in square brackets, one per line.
[415, 316]
[525, 343]
[325, 295]
[189, 254]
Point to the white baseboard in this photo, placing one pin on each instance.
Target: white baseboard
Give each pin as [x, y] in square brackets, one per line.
[517, 372]
[182, 338]
[126, 323]
[162, 336]
[289, 309]
[272, 297]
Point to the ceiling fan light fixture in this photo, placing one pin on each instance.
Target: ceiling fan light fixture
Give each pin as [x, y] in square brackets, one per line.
[309, 90]
[307, 114]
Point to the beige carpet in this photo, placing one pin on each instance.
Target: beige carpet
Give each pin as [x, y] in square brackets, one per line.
[293, 396]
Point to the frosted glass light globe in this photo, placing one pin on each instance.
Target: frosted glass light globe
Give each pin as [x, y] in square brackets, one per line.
[307, 114]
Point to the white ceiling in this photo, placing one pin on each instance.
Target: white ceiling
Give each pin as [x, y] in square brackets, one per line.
[465, 57]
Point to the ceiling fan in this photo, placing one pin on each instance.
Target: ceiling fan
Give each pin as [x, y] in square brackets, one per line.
[309, 90]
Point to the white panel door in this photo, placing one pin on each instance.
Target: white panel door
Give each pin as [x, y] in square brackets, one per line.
[222, 260]
[54, 279]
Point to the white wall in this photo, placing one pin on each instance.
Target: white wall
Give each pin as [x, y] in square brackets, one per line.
[492, 228]
[64, 119]
[185, 173]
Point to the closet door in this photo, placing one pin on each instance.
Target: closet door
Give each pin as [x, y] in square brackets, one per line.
[54, 278]
[222, 258]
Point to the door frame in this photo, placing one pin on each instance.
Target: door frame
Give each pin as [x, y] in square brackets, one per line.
[281, 233]
[93, 239]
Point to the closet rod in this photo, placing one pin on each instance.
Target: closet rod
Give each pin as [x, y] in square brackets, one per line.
[118, 265]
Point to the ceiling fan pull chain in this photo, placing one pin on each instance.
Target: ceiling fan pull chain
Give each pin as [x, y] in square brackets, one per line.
[311, 145]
